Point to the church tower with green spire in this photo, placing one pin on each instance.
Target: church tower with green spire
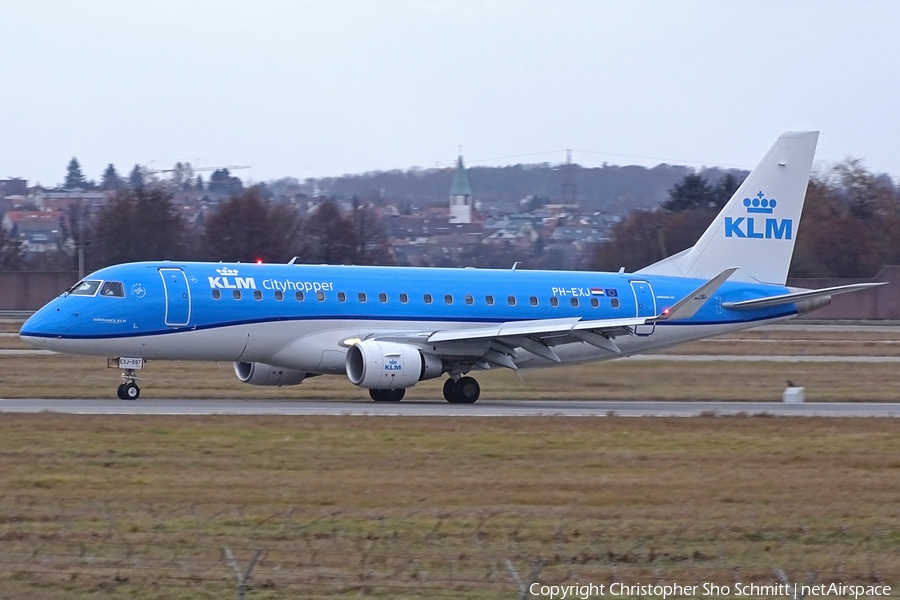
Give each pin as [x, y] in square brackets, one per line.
[461, 207]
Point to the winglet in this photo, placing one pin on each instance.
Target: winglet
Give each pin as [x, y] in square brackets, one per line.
[688, 306]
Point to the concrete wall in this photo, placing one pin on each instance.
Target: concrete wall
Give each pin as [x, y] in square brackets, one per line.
[30, 291]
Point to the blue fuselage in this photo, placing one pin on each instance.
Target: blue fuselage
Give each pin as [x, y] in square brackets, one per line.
[298, 315]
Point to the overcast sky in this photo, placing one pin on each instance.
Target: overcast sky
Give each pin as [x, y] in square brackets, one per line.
[309, 89]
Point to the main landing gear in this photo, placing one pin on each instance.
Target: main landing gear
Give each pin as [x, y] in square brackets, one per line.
[464, 390]
[387, 395]
[128, 389]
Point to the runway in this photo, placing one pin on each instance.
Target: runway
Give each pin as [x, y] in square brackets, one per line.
[484, 408]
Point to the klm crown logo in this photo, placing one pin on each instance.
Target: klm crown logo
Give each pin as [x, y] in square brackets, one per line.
[760, 204]
[756, 228]
[227, 272]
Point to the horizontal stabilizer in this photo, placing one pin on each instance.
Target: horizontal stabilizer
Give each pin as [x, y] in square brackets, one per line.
[798, 296]
[688, 306]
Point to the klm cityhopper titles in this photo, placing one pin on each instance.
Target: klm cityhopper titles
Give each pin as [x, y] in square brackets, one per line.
[387, 328]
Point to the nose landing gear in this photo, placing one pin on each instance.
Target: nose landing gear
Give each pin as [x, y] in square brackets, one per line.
[128, 389]
[464, 390]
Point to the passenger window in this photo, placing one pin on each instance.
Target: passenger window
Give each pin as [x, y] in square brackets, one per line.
[428, 299]
[489, 300]
[320, 296]
[382, 297]
[257, 294]
[574, 302]
[404, 298]
[342, 297]
[217, 294]
[236, 294]
[448, 299]
[554, 301]
[279, 295]
[511, 300]
[534, 301]
[362, 297]
[113, 289]
[470, 299]
[614, 303]
[299, 296]
[595, 303]
[88, 287]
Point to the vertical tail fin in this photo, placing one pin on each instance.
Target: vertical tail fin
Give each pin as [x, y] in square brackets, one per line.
[758, 226]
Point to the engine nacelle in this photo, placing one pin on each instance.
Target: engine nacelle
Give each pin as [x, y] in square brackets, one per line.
[389, 366]
[263, 374]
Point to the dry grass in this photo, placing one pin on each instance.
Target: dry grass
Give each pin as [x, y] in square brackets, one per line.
[393, 507]
[78, 377]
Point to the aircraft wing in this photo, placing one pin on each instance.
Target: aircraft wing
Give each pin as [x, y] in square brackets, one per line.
[798, 296]
[497, 344]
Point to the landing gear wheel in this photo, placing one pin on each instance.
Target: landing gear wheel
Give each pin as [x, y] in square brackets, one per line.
[387, 395]
[465, 390]
[130, 391]
[450, 391]
[120, 393]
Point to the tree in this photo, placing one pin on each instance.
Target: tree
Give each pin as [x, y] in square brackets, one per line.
[692, 192]
[139, 224]
[370, 242]
[136, 180]
[11, 255]
[74, 176]
[248, 228]
[724, 190]
[111, 180]
[327, 237]
[222, 182]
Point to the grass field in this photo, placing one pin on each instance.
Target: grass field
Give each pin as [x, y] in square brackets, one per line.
[56, 376]
[140, 507]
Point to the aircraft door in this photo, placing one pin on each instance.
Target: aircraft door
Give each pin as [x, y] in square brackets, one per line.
[178, 297]
[645, 305]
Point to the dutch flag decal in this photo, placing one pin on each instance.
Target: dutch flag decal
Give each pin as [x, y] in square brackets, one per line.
[596, 291]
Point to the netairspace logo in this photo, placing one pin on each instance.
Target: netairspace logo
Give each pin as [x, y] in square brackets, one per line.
[675, 590]
[751, 228]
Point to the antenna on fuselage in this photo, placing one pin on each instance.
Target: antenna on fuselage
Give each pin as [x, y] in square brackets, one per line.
[515, 264]
[293, 260]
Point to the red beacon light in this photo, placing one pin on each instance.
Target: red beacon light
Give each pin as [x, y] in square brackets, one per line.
[259, 261]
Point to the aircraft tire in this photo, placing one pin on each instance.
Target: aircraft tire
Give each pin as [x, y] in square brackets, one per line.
[467, 390]
[387, 395]
[450, 391]
[120, 393]
[131, 391]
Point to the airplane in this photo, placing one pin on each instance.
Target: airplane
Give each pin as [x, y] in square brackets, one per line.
[387, 328]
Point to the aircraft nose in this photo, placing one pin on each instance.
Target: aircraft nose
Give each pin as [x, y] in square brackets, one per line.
[42, 326]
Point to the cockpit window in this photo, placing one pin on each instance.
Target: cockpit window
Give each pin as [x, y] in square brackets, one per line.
[88, 287]
[113, 288]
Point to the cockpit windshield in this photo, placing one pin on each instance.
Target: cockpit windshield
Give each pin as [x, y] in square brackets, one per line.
[87, 287]
[114, 289]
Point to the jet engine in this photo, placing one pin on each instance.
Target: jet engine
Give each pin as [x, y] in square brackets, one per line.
[263, 374]
[389, 366]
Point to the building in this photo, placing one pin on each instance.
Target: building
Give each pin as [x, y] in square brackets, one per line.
[39, 231]
[461, 208]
